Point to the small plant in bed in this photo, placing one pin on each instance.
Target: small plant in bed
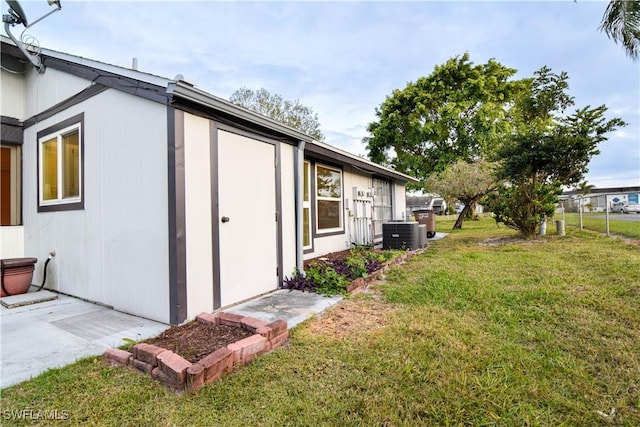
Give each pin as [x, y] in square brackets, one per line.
[332, 273]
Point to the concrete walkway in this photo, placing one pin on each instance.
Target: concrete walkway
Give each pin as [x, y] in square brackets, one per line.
[293, 306]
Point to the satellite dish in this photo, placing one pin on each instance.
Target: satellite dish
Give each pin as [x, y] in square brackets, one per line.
[17, 12]
[17, 16]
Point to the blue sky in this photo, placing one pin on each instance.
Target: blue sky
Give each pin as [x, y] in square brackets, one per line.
[343, 58]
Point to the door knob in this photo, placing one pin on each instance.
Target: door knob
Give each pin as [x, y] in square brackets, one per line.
[224, 219]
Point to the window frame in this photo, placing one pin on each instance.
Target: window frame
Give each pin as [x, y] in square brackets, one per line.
[332, 230]
[57, 132]
[379, 204]
[306, 203]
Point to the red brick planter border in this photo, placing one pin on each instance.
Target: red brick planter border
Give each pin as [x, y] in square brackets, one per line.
[178, 374]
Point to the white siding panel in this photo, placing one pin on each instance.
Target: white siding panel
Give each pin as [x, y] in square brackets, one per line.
[115, 251]
[198, 215]
[135, 198]
[11, 241]
[288, 216]
[46, 90]
[399, 201]
[12, 87]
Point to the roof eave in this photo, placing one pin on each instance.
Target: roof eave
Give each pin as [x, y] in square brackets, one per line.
[188, 92]
[360, 162]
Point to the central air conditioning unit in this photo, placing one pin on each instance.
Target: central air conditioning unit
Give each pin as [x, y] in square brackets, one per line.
[401, 235]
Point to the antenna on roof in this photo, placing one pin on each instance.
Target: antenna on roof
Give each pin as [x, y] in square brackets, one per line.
[15, 15]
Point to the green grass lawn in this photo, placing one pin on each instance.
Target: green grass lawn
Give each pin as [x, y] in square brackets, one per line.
[596, 222]
[477, 330]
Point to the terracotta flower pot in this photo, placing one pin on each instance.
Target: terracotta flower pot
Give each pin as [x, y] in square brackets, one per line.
[16, 275]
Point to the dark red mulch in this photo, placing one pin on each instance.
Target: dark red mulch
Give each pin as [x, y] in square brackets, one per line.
[196, 340]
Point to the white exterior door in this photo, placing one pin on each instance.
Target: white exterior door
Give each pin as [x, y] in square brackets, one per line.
[247, 216]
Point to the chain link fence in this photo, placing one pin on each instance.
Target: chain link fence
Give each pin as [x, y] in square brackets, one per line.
[611, 213]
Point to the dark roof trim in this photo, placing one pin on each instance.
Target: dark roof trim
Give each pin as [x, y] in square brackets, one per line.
[167, 92]
[603, 191]
[11, 131]
[197, 96]
[119, 82]
[320, 150]
[67, 103]
[184, 92]
[230, 120]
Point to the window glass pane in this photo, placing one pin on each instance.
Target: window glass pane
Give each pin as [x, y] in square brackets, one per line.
[328, 214]
[329, 183]
[71, 165]
[306, 227]
[382, 192]
[306, 181]
[50, 169]
[382, 204]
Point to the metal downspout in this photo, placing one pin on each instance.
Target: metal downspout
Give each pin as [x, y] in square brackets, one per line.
[299, 188]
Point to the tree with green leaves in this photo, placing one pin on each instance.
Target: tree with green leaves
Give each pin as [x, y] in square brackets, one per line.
[621, 22]
[547, 150]
[290, 113]
[465, 182]
[583, 189]
[457, 112]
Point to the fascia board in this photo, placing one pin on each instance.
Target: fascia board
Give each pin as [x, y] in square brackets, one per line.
[185, 91]
[330, 151]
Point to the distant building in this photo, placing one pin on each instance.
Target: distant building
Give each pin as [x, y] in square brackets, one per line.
[599, 199]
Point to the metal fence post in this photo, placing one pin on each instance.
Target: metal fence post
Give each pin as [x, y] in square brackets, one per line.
[580, 200]
[606, 215]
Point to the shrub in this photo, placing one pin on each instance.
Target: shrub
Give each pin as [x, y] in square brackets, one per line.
[332, 276]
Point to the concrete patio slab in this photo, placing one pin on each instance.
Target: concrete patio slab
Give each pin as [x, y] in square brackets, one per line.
[54, 333]
[27, 299]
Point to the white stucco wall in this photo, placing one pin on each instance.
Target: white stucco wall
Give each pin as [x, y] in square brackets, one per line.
[115, 250]
[199, 245]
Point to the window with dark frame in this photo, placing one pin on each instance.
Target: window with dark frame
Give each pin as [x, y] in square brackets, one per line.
[328, 198]
[60, 166]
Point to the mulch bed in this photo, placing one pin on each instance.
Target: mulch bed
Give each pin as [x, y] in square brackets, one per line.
[196, 340]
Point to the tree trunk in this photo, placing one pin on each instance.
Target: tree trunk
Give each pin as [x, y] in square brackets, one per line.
[458, 224]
